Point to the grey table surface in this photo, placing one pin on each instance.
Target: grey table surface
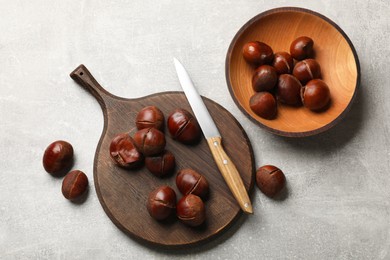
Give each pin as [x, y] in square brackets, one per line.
[338, 182]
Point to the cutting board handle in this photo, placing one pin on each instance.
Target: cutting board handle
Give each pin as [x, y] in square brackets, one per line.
[85, 79]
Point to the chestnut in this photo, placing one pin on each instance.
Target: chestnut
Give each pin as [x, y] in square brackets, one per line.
[264, 78]
[257, 53]
[302, 48]
[124, 151]
[183, 126]
[58, 157]
[74, 185]
[307, 70]
[189, 181]
[263, 104]
[161, 202]
[283, 63]
[150, 141]
[190, 210]
[270, 180]
[162, 164]
[289, 90]
[150, 116]
[315, 95]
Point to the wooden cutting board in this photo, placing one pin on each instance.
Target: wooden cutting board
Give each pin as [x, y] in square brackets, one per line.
[123, 193]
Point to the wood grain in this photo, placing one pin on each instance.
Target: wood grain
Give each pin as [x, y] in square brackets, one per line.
[123, 193]
[333, 50]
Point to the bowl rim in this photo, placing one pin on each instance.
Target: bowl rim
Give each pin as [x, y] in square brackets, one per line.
[272, 130]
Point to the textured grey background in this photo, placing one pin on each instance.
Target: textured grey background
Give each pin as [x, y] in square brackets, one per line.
[338, 182]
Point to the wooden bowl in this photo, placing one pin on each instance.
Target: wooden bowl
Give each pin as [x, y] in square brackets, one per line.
[333, 50]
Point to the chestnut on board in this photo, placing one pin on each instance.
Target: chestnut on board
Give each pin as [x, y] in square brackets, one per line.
[161, 202]
[307, 70]
[124, 151]
[270, 180]
[263, 104]
[289, 90]
[183, 126]
[264, 78]
[190, 210]
[283, 63]
[150, 141]
[257, 53]
[302, 48]
[150, 116]
[315, 95]
[58, 157]
[74, 185]
[189, 181]
[162, 164]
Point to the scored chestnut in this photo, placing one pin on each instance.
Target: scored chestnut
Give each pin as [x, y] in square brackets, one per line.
[307, 70]
[74, 185]
[162, 164]
[150, 116]
[183, 126]
[270, 180]
[315, 95]
[189, 181]
[257, 53]
[58, 157]
[124, 151]
[150, 141]
[289, 90]
[263, 104]
[264, 78]
[161, 202]
[190, 210]
[302, 48]
[283, 63]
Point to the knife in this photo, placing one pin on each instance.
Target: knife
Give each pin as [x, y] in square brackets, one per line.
[214, 140]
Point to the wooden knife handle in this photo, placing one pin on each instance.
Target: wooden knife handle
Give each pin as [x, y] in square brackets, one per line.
[85, 79]
[230, 174]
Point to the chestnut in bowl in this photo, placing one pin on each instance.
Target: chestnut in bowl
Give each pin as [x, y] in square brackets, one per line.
[315, 95]
[150, 141]
[150, 116]
[283, 63]
[58, 157]
[263, 104]
[161, 202]
[302, 48]
[190, 210]
[307, 70]
[264, 78]
[257, 53]
[289, 90]
[124, 151]
[183, 126]
[188, 181]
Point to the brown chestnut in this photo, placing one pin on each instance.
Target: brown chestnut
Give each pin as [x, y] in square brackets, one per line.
[74, 185]
[190, 210]
[161, 202]
[257, 53]
[183, 126]
[189, 181]
[307, 70]
[162, 164]
[150, 141]
[270, 180]
[263, 104]
[289, 90]
[148, 117]
[302, 48]
[315, 95]
[283, 63]
[124, 151]
[264, 78]
[58, 157]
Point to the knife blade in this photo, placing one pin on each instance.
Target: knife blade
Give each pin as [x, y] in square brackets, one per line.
[214, 140]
